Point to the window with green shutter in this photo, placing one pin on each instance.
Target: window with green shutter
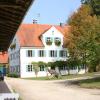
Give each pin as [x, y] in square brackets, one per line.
[49, 40]
[30, 53]
[42, 68]
[29, 68]
[53, 53]
[41, 53]
[33, 53]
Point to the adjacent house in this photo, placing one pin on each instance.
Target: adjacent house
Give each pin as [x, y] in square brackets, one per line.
[3, 62]
[34, 43]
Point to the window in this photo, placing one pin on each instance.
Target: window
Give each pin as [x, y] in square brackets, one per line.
[30, 53]
[42, 68]
[18, 54]
[57, 38]
[63, 53]
[30, 68]
[17, 69]
[57, 41]
[53, 53]
[41, 53]
[48, 40]
[15, 55]
[63, 68]
[11, 57]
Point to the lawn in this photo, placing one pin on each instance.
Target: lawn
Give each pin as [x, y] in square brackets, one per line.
[90, 83]
[54, 78]
[64, 77]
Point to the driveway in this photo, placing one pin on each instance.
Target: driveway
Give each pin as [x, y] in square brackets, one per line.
[51, 90]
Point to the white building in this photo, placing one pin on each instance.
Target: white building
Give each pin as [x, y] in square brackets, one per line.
[34, 43]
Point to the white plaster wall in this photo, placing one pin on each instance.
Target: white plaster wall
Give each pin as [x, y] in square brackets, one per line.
[24, 60]
[64, 72]
[73, 71]
[52, 32]
[82, 71]
[16, 61]
[32, 74]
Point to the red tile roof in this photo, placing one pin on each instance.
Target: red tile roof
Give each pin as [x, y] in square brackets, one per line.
[3, 58]
[29, 34]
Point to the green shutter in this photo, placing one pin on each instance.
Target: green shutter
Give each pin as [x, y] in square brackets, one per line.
[26, 53]
[33, 54]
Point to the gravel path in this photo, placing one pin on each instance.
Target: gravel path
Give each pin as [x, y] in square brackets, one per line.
[51, 90]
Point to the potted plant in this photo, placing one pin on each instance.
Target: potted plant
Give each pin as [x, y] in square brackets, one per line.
[57, 42]
[49, 42]
[13, 46]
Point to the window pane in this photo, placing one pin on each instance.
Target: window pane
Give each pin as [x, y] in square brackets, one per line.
[65, 54]
[41, 68]
[53, 53]
[29, 53]
[29, 68]
[41, 53]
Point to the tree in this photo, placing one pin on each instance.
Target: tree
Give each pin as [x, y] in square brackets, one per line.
[85, 36]
[94, 4]
[36, 68]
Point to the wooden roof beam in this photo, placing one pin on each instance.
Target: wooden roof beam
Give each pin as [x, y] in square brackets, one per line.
[15, 12]
[7, 31]
[8, 27]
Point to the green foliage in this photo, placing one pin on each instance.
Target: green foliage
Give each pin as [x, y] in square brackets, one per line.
[1, 65]
[50, 64]
[85, 35]
[40, 63]
[49, 42]
[90, 83]
[57, 42]
[13, 75]
[94, 5]
[36, 67]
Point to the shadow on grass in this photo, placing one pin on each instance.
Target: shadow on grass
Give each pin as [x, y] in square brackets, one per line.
[85, 83]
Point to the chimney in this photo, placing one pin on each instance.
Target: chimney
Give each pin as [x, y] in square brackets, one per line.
[61, 24]
[34, 21]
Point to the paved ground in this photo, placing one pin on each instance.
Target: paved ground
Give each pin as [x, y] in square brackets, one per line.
[3, 87]
[51, 90]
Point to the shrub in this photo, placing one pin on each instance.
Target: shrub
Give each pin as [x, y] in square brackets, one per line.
[13, 75]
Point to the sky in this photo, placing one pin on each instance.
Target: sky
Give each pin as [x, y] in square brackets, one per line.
[51, 11]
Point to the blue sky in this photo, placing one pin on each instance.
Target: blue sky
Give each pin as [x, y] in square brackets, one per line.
[51, 11]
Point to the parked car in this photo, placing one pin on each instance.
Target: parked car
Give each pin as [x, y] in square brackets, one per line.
[1, 76]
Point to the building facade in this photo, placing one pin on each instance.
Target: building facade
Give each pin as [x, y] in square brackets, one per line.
[34, 43]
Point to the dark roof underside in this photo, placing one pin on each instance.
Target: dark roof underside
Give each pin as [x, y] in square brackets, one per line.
[12, 13]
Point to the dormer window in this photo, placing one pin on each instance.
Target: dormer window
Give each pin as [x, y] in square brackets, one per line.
[49, 41]
[57, 41]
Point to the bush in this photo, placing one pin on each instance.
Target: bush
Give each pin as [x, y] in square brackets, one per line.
[13, 75]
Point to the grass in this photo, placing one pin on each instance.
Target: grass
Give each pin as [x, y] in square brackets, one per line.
[53, 78]
[90, 83]
[93, 80]
[63, 77]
